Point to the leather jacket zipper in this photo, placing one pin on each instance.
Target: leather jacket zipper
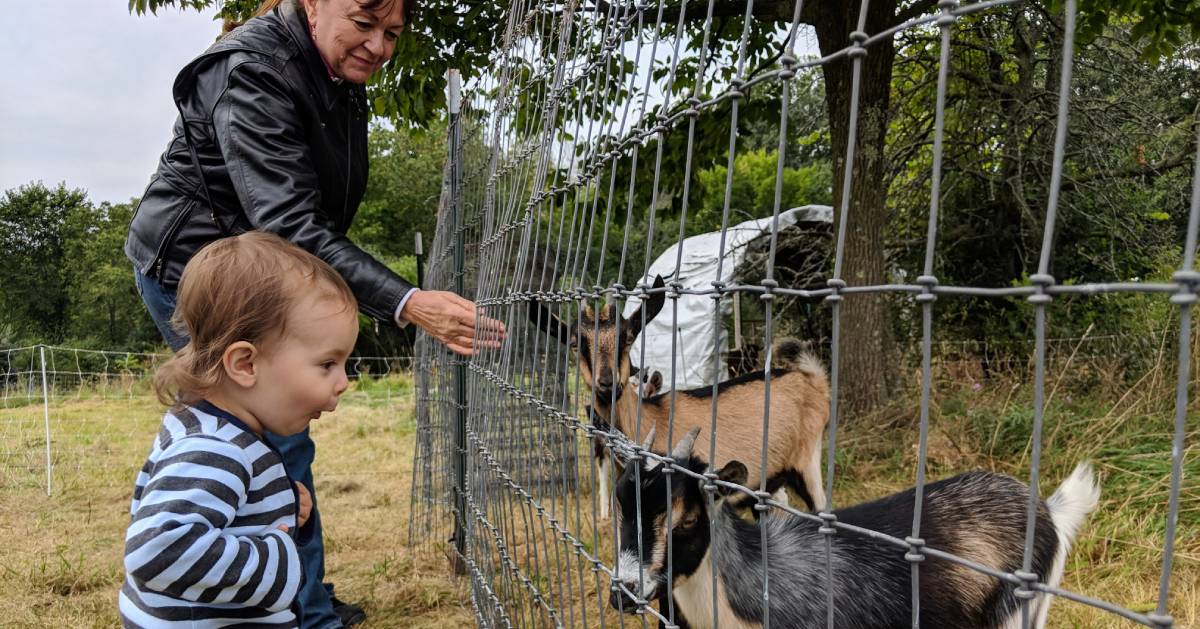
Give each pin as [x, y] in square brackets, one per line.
[161, 255]
[349, 153]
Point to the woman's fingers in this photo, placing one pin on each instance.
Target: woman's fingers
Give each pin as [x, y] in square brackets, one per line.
[492, 325]
[456, 322]
[461, 350]
[489, 329]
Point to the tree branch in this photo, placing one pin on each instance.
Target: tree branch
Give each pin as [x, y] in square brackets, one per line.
[914, 10]
[1180, 158]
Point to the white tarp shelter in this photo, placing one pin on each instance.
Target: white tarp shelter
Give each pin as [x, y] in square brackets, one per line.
[698, 335]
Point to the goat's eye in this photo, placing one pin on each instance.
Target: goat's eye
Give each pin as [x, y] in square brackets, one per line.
[689, 520]
[573, 343]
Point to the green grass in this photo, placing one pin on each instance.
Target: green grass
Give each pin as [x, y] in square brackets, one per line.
[61, 565]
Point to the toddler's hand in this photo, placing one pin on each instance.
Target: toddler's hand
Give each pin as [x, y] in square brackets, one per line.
[305, 507]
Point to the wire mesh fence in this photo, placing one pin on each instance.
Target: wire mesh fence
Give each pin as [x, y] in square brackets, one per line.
[63, 411]
[588, 113]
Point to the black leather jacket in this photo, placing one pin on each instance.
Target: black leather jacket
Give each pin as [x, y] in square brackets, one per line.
[282, 147]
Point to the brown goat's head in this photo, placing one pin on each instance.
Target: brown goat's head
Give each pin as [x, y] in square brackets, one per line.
[601, 340]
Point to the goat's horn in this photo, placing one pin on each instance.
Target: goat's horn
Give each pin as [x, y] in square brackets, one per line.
[649, 439]
[683, 449]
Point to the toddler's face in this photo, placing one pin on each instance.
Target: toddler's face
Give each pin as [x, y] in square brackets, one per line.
[302, 374]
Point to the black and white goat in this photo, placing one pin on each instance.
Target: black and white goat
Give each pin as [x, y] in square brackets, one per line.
[978, 516]
[799, 407]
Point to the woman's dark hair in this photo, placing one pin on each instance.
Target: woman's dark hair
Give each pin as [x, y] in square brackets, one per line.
[268, 5]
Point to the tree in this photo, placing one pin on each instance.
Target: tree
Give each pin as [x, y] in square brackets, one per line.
[403, 187]
[35, 225]
[1126, 177]
[1157, 27]
[65, 278]
[104, 310]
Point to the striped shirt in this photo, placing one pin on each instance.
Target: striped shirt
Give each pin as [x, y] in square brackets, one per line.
[203, 548]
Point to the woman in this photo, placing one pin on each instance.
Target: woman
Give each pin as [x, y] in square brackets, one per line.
[272, 136]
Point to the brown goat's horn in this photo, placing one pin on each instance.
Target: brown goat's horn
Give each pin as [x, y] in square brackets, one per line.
[683, 449]
[649, 439]
[650, 463]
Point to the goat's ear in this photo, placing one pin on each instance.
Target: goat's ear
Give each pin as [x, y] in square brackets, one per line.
[611, 313]
[652, 306]
[547, 322]
[734, 472]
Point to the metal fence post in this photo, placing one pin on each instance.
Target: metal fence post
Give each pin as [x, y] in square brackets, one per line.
[419, 254]
[46, 414]
[460, 366]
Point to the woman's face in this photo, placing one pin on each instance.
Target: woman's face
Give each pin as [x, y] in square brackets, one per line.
[353, 40]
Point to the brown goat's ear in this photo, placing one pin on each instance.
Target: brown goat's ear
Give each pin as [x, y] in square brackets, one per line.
[611, 313]
[547, 322]
[734, 472]
[652, 306]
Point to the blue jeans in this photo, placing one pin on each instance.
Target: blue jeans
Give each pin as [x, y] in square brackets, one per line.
[314, 599]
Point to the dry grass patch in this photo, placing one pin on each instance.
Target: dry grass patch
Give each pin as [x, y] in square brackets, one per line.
[62, 559]
[61, 564]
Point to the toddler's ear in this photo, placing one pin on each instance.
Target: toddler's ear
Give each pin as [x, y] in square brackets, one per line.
[238, 361]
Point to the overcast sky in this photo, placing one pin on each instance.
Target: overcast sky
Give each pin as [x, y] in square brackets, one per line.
[87, 92]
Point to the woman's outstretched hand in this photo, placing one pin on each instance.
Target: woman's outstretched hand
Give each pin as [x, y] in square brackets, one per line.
[451, 320]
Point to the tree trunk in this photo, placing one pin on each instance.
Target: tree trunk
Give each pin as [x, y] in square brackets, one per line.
[866, 334]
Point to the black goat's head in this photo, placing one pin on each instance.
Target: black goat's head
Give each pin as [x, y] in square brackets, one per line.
[601, 340]
[643, 505]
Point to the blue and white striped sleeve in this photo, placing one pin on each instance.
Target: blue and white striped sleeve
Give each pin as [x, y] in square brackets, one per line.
[176, 544]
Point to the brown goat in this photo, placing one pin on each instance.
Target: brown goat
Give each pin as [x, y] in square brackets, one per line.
[799, 408]
[646, 386]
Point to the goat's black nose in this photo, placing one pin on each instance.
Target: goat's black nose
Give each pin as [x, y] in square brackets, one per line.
[604, 395]
[621, 601]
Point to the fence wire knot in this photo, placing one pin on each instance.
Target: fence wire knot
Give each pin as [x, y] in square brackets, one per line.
[673, 290]
[1024, 591]
[1189, 285]
[948, 17]
[769, 285]
[836, 285]
[718, 290]
[1041, 281]
[927, 283]
[915, 554]
[788, 61]
[857, 51]
[735, 88]
[762, 497]
[829, 520]
[709, 485]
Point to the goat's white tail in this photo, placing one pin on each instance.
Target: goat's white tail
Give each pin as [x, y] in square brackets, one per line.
[1069, 507]
[794, 354]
